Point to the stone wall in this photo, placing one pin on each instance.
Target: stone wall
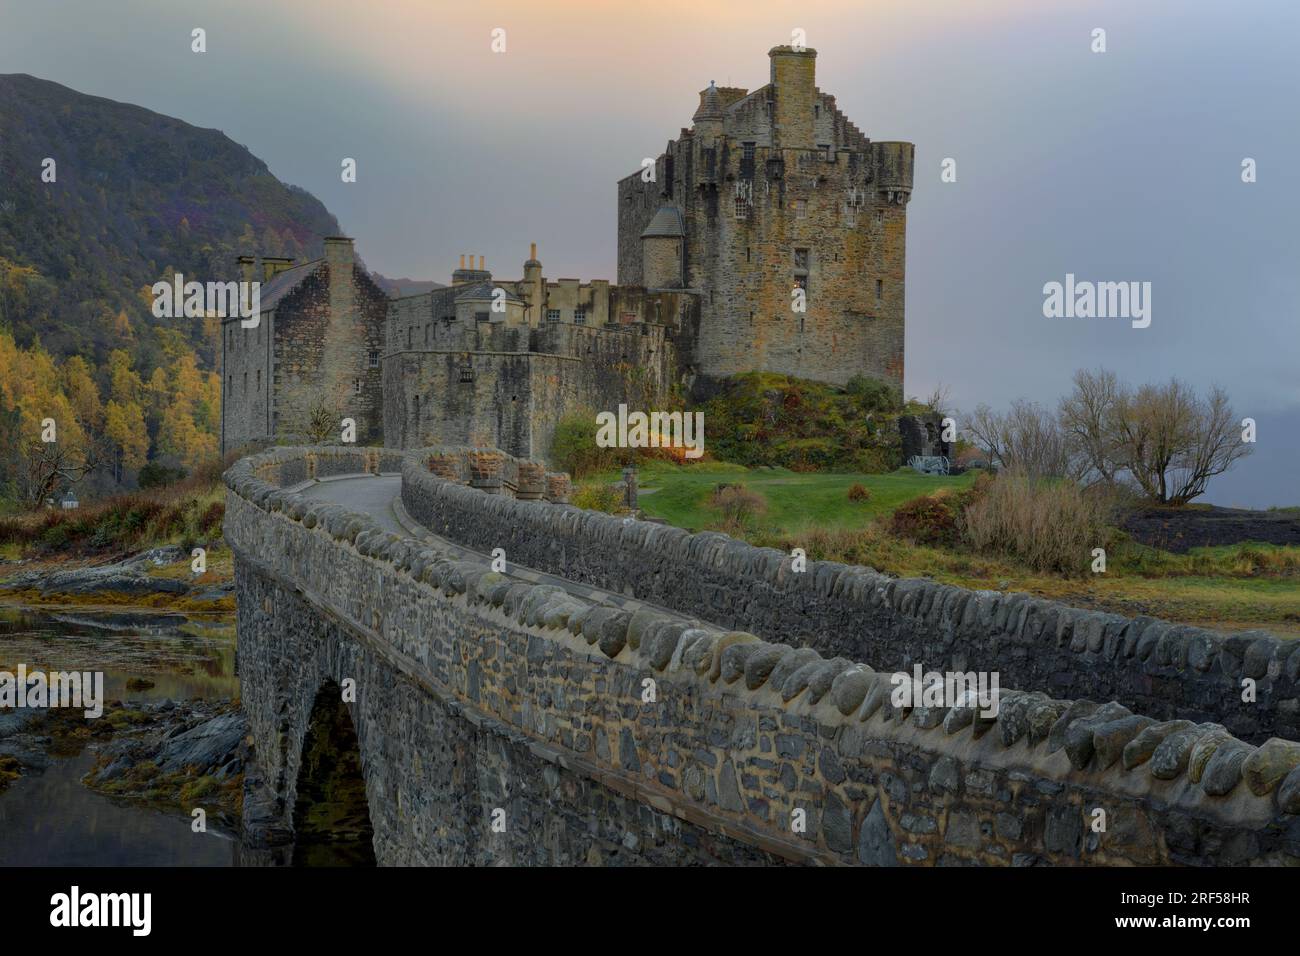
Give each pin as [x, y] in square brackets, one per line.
[478, 691]
[1158, 668]
[514, 399]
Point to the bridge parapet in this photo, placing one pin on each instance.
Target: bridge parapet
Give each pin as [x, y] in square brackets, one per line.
[1249, 682]
[763, 751]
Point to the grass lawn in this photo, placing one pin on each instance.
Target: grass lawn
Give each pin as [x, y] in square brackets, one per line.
[1232, 587]
[796, 502]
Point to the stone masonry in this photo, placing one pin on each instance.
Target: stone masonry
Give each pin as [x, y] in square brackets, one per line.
[479, 692]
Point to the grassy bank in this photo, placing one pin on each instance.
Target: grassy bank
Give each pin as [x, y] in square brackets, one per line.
[1231, 587]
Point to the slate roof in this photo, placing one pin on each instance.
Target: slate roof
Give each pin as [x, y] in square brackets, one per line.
[285, 282]
[667, 222]
[485, 290]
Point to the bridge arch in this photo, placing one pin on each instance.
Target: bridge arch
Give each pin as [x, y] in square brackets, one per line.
[331, 814]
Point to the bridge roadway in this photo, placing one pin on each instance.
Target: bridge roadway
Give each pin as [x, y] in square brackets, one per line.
[380, 497]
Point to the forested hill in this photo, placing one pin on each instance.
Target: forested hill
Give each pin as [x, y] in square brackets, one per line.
[137, 196]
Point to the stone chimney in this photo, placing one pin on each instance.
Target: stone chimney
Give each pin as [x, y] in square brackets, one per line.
[794, 95]
[338, 250]
[272, 266]
[247, 266]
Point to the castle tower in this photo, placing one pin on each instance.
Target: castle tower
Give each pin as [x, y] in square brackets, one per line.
[791, 225]
[661, 249]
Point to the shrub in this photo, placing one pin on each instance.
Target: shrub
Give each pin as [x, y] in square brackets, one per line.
[761, 418]
[1048, 525]
[859, 492]
[872, 394]
[574, 448]
[737, 504]
[597, 496]
[157, 475]
[927, 519]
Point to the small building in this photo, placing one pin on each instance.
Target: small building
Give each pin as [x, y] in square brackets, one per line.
[69, 501]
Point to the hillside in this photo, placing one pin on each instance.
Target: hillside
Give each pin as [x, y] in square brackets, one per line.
[137, 196]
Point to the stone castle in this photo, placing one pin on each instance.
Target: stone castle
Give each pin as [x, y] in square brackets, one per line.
[771, 196]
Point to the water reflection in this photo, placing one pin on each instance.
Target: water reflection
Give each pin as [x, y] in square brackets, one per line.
[50, 818]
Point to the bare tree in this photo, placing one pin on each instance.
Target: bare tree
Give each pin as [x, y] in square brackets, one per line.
[1172, 442]
[1087, 416]
[51, 464]
[940, 400]
[1026, 437]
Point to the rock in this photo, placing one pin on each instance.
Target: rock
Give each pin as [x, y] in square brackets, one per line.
[1171, 756]
[1139, 750]
[205, 746]
[1223, 772]
[876, 846]
[1109, 740]
[1267, 766]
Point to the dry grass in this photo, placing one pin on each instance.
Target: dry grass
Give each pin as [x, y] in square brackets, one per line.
[1048, 526]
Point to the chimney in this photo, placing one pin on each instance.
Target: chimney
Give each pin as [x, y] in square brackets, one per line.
[462, 260]
[247, 266]
[338, 250]
[480, 263]
[272, 266]
[795, 96]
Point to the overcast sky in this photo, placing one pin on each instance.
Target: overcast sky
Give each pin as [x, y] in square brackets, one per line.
[1123, 165]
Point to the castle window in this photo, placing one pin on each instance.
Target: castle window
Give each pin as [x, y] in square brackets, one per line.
[744, 196]
[415, 401]
[245, 383]
[426, 336]
[580, 316]
[259, 379]
[482, 317]
[880, 217]
[801, 209]
[801, 268]
[552, 315]
[857, 197]
[467, 372]
[356, 386]
[408, 337]
[747, 253]
[747, 161]
[880, 290]
[373, 359]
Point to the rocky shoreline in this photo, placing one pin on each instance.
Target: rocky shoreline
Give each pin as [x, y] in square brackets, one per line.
[171, 755]
[124, 578]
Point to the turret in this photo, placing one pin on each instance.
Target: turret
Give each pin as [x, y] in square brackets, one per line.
[661, 250]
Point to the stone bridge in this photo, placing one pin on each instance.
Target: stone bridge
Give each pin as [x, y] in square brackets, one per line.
[629, 693]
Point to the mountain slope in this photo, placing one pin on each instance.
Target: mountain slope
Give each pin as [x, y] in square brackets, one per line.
[137, 195]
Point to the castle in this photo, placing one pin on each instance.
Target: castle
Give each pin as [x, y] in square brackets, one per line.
[770, 235]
